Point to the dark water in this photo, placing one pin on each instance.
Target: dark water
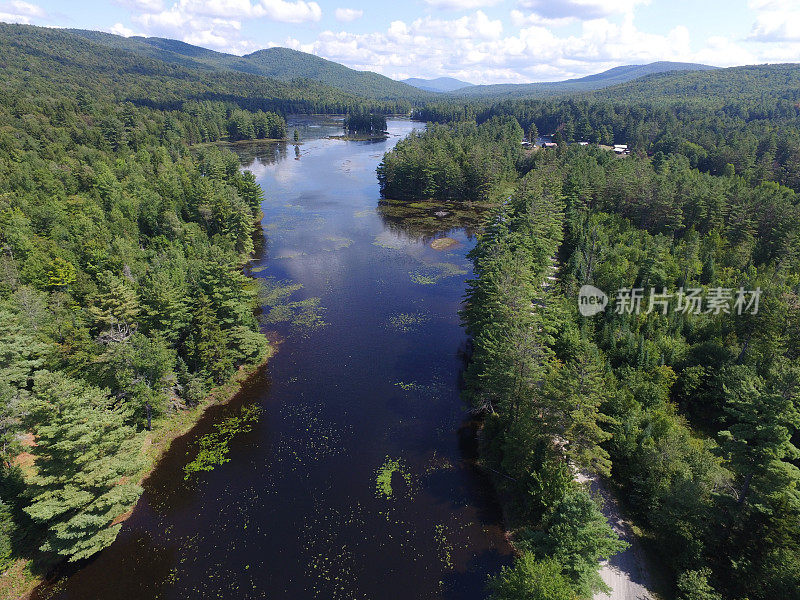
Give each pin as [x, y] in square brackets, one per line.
[297, 513]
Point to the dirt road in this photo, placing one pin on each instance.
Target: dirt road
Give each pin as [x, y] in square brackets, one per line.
[626, 573]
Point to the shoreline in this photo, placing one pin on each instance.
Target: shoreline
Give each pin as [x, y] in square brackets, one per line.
[18, 582]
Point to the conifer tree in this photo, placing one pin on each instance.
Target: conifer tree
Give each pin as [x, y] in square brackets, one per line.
[84, 454]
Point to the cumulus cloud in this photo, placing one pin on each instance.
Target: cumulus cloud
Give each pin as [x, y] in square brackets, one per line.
[475, 48]
[120, 29]
[18, 11]
[345, 15]
[579, 9]
[289, 12]
[461, 4]
[776, 21]
[477, 25]
[217, 24]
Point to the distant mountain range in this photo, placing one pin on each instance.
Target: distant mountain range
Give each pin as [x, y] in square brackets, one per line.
[440, 84]
[285, 79]
[286, 64]
[614, 76]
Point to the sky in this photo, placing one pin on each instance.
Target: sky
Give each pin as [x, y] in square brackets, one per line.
[478, 41]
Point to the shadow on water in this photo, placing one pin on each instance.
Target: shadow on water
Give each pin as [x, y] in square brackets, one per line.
[367, 393]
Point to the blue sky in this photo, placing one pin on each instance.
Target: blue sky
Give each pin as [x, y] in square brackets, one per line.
[480, 41]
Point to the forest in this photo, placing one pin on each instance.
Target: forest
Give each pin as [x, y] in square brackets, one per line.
[691, 414]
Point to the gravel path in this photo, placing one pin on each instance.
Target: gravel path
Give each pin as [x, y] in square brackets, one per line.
[626, 573]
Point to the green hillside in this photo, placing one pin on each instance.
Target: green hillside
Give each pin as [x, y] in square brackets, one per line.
[752, 82]
[36, 59]
[279, 63]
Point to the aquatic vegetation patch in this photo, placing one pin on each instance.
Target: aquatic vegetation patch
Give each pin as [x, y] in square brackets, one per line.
[443, 243]
[360, 214]
[445, 547]
[406, 322]
[290, 254]
[433, 273]
[420, 220]
[386, 471]
[278, 307]
[407, 386]
[312, 437]
[438, 463]
[213, 447]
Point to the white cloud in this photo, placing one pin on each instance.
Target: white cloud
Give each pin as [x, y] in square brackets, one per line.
[120, 29]
[475, 48]
[17, 11]
[722, 52]
[461, 4]
[776, 21]
[520, 19]
[345, 15]
[290, 12]
[477, 25]
[580, 9]
[217, 24]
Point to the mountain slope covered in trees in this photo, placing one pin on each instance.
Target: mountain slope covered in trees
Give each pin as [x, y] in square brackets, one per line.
[41, 58]
[283, 64]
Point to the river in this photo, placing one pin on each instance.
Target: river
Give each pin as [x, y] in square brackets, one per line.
[356, 482]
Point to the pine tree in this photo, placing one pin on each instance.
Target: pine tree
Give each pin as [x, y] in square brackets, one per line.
[575, 392]
[85, 454]
[21, 354]
[115, 309]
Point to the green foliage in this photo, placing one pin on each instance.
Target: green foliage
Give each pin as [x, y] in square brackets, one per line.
[693, 585]
[458, 162]
[122, 296]
[693, 415]
[84, 455]
[576, 534]
[361, 121]
[531, 579]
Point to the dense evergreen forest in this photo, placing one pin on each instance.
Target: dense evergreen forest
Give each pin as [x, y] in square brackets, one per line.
[692, 414]
[364, 122]
[744, 119]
